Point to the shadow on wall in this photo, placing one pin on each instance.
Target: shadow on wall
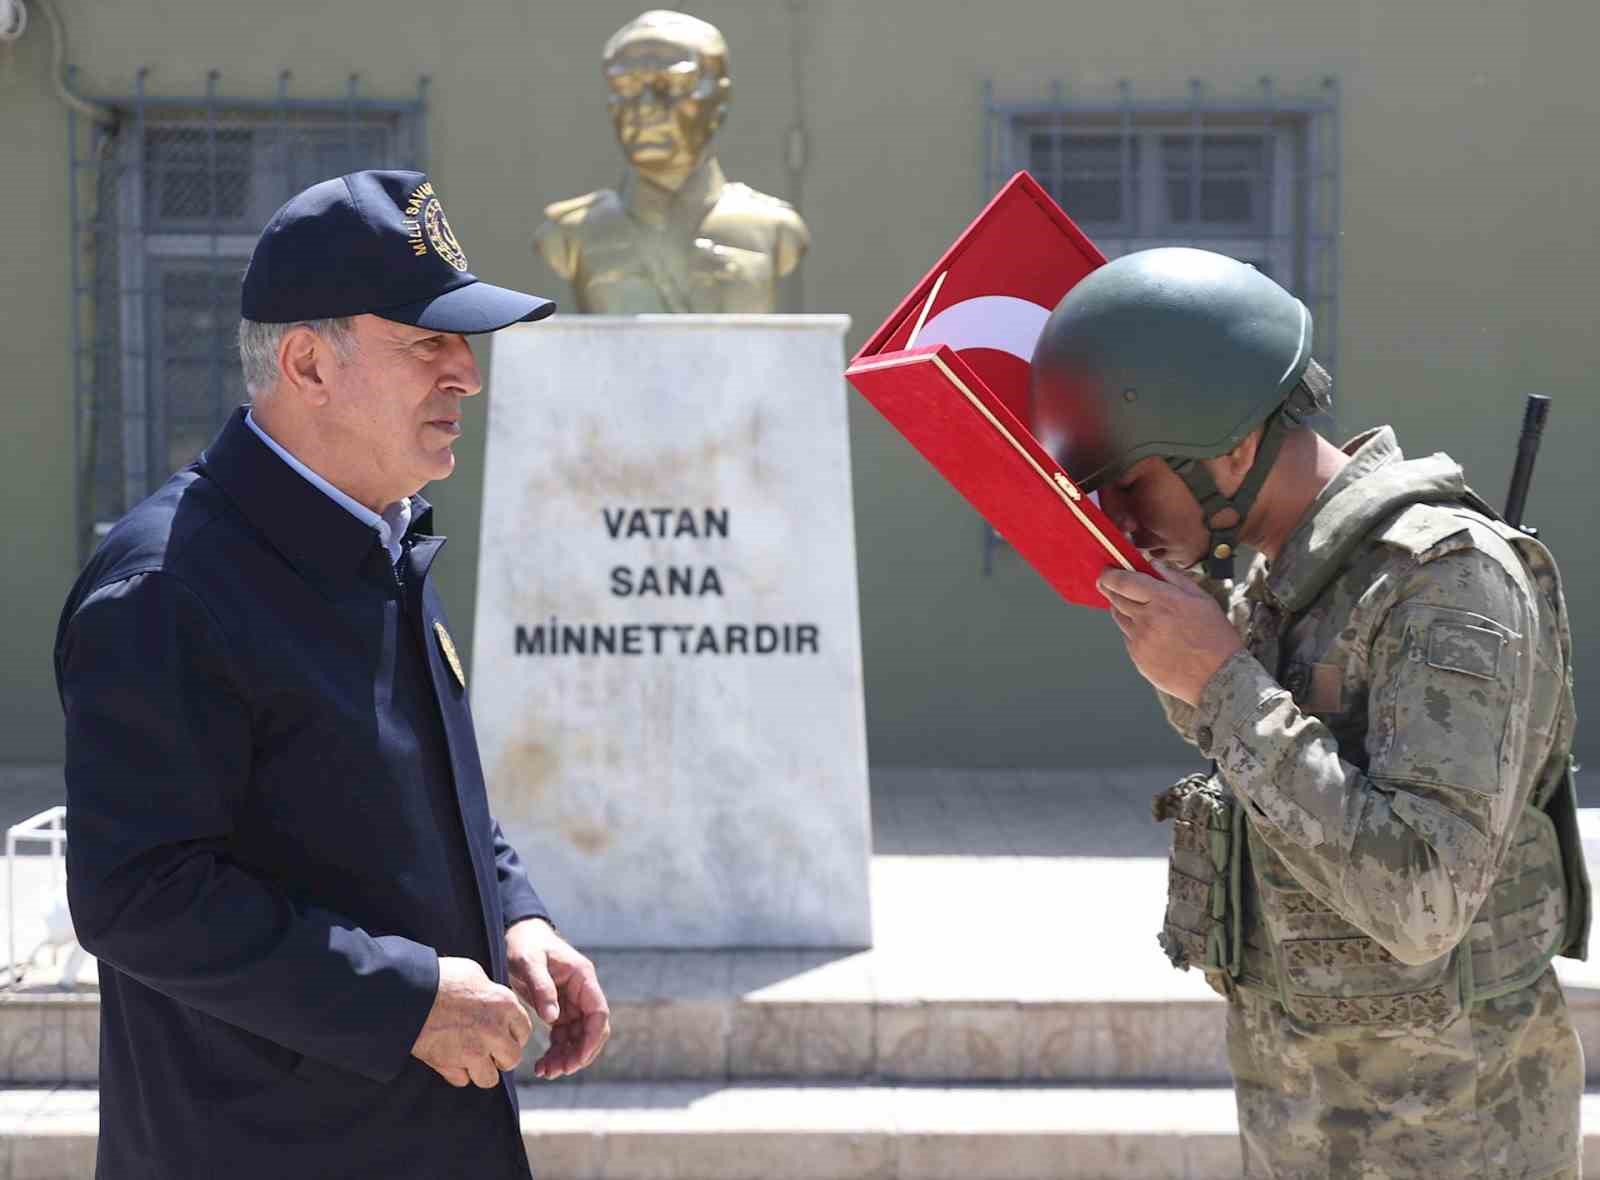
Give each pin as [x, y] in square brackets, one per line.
[1011, 812]
[27, 790]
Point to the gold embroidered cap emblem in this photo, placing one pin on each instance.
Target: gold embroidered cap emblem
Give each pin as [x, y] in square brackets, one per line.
[447, 646]
[427, 225]
[442, 236]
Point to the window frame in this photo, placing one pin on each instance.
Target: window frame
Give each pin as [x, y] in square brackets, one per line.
[1150, 224]
[1301, 245]
[124, 420]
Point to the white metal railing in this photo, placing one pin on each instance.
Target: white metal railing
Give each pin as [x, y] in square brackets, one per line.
[48, 827]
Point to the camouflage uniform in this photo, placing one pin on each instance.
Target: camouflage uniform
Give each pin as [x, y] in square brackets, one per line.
[1401, 712]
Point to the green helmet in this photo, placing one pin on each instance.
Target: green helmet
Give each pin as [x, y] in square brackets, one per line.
[1178, 353]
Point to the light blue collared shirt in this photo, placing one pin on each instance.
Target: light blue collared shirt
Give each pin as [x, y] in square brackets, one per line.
[390, 525]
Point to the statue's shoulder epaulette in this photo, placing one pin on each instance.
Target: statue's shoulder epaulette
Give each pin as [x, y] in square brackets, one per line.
[742, 195]
[577, 210]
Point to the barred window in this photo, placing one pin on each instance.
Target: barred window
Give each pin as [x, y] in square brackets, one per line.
[167, 209]
[1253, 177]
[1228, 191]
[1088, 174]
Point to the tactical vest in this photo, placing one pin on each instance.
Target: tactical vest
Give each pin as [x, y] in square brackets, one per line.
[1235, 911]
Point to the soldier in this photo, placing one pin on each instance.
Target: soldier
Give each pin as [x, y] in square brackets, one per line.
[1383, 860]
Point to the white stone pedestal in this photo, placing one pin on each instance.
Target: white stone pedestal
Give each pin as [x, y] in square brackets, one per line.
[667, 658]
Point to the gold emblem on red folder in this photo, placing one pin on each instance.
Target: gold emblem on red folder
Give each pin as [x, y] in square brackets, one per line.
[448, 646]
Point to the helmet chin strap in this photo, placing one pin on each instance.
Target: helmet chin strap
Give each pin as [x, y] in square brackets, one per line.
[1224, 540]
[1307, 398]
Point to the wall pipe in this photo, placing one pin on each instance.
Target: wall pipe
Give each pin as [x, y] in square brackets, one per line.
[102, 115]
[13, 20]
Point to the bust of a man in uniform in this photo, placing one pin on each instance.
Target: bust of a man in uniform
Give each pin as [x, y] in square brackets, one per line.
[677, 236]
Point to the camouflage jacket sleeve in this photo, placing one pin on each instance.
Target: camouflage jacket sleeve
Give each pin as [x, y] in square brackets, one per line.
[1229, 596]
[1408, 848]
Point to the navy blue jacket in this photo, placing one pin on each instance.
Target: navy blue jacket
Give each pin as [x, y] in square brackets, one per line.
[276, 824]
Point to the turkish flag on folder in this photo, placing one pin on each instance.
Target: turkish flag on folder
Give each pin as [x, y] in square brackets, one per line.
[949, 370]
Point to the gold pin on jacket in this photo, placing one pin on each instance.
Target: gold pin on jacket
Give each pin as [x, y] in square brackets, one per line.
[447, 646]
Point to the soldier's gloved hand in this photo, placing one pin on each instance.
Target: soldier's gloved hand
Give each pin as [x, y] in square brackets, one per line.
[1176, 634]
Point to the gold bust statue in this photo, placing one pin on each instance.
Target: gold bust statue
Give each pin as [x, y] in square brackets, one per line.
[677, 236]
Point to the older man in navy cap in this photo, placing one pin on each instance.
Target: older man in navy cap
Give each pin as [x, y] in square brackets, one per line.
[316, 946]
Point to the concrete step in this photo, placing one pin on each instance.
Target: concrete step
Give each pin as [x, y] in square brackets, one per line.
[668, 1131]
[778, 1035]
[781, 1033]
[663, 1131]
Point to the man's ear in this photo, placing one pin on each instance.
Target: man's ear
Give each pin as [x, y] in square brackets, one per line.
[1232, 467]
[303, 362]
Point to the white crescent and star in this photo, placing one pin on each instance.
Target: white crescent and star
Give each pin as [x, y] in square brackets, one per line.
[1001, 322]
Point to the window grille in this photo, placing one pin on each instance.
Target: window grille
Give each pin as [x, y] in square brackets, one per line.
[1255, 177]
[166, 207]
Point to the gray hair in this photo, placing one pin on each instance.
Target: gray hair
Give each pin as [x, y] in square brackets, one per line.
[258, 347]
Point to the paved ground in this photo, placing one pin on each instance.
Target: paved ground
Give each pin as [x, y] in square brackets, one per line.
[27, 790]
[915, 811]
[950, 812]
[1018, 813]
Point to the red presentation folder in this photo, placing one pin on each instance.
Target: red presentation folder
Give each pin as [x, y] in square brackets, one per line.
[949, 371]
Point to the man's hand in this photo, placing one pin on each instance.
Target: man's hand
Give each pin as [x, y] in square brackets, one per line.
[476, 1027]
[1177, 636]
[560, 985]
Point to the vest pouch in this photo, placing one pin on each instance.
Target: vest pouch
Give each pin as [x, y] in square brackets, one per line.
[1562, 808]
[1201, 927]
[1561, 804]
[1331, 978]
[1528, 918]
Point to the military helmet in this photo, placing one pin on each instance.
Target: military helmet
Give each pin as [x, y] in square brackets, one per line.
[1178, 353]
[1173, 352]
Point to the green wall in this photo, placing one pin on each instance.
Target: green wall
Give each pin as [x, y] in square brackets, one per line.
[36, 487]
[1467, 256]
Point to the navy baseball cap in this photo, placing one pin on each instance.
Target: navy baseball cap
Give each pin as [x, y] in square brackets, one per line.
[374, 243]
